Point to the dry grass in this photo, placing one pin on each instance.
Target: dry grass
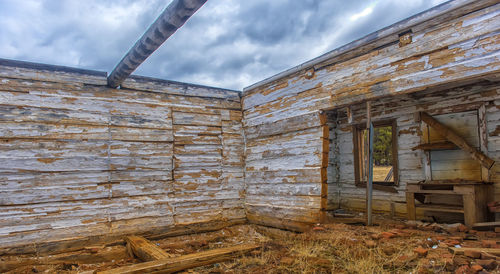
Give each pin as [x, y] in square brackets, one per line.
[380, 172]
[339, 248]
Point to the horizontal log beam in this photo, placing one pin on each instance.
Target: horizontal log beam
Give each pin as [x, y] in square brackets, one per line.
[447, 133]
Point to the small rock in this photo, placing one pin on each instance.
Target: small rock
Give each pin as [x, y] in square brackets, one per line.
[487, 264]
[400, 226]
[460, 260]
[452, 242]
[476, 268]
[472, 254]
[422, 252]
[491, 234]
[388, 250]
[375, 236]
[464, 269]
[370, 244]
[488, 243]
[462, 228]
[387, 235]
[287, 261]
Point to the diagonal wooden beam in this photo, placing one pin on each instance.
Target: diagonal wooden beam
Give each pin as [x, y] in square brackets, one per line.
[171, 265]
[172, 18]
[451, 136]
[145, 250]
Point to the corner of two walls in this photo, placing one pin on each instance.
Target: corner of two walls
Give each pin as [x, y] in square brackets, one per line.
[82, 163]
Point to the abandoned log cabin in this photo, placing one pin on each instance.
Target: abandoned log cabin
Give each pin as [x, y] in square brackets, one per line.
[84, 163]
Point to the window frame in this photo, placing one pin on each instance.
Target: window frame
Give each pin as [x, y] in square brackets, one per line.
[357, 130]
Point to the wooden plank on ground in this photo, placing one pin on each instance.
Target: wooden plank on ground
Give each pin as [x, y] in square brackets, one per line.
[486, 161]
[145, 250]
[170, 265]
[461, 250]
[486, 225]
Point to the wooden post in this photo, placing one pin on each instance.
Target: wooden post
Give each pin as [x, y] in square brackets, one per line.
[410, 206]
[444, 131]
[369, 187]
[483, 140]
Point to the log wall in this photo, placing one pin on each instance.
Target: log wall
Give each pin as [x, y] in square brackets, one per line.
[344, 193]
[281, 115]
[81, 161]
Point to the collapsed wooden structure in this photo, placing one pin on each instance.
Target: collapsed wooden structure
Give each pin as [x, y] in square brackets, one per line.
[82, 163]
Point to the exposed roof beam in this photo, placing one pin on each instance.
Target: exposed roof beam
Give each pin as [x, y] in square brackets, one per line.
[171, 19]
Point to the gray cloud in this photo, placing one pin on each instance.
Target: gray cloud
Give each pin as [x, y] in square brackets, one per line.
[227, 43]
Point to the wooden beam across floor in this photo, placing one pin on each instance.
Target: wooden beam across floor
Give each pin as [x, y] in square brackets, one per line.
[170, 265]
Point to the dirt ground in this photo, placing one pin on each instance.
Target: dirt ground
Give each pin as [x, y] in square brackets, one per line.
[389, 247]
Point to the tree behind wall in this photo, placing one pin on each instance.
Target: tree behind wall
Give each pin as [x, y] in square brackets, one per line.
[382, 146]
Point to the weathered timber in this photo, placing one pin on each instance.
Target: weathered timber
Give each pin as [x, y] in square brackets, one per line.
[380, 38]
[79, 158]
[461, 250]
[90, 255]
[145, 250]
[440, 145]
[457, 140]
[486, 225]
[171, 19]
[171, 265]
[261, 218]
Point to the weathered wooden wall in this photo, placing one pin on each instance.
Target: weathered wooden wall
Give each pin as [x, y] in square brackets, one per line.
[81, 161]
[342, 190]
[281, 115]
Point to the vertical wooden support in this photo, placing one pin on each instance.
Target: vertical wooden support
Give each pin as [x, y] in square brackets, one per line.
[427, 154]
[349, 114]
[410, 206]
[483, 140]
[470, 208]
[324, 165]
[369, 187]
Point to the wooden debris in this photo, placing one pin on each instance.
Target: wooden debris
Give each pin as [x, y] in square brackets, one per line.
[145, 250]
[440, 145]
[486, 225]
[88, 256]
[461, 250]
[170, 265]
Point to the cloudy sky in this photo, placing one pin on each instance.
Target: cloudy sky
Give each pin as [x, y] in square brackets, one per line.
[227, 43]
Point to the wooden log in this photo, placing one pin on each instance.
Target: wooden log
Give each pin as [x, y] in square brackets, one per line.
[461, 250]
[145, 250]
[431, 146]
[486, 225]
[171, 265]
[91, 255]
[457, 140]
